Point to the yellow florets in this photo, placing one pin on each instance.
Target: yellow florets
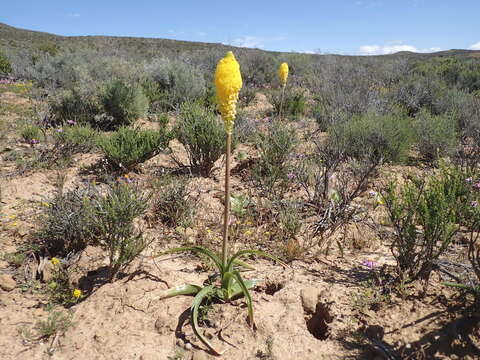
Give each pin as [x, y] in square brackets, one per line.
[77, 293]
[283, 73]
[228, 82]
[54, 261]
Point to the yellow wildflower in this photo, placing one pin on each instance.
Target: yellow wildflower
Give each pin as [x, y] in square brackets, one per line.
[228, 82]
[77, 293]
[54, 261]
[45, 204]
[12, 216]
[248, 233]
[14, 223]
[283, 73]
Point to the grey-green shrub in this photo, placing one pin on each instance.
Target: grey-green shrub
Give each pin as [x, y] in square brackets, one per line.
[294, 103]
[79, 106]
[202, 134]
[30, 132]
[384, 137]
[5, 65]
[275, 149]
[127, 147]
[177, 81]
[173, 205]
[114, 221]
[436, 135]
[424, 214]
[78, 138]
[125, 103]
[66, 222]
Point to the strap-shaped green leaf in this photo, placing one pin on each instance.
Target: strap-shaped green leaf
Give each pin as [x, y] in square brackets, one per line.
[194, 316]
[186, 289]
[243, 286]
[234, 257]
[199, 249]
[237, 289]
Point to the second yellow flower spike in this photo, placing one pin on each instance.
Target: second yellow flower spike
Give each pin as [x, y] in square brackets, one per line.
[283, 73]
[228, 82]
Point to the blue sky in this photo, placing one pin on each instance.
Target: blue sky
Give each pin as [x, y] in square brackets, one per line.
[341, 26]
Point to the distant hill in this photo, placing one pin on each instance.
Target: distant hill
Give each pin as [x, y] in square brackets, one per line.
[15, 38]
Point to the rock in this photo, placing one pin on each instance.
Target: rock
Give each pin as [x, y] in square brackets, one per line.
[48, 270]
[309, 298]
[4, 264]
[7, 282]
[188, 346]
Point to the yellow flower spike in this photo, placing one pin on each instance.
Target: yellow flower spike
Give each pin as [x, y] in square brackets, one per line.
[77, 293]
[14, 224]
[283, 73]
[228, 82]
[54, 261]
[12, 216]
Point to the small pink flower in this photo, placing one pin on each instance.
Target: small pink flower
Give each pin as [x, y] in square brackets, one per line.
[477, 185]
[71, 122]
[474, 204]
[60, 130]
[34, 141]
[469, 180]
[291, 176]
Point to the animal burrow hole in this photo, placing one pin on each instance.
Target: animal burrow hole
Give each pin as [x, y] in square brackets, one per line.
[318, 322]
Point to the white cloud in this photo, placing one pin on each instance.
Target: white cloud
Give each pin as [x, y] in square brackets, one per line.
[73, 15]
[393, 48]
[255, 41]
[475, 46]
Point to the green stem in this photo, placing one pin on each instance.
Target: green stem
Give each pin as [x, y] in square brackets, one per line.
[227, 201]
[281, 103]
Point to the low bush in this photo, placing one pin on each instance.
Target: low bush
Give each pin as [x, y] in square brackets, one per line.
[78, 106]
[128, 147]
[5, 65]
[177, 83]
[125, 103]
[424, 214]
[115, 213]
[77, 138]
[275, 150]
[436, 135]
[31, 133]
[66, 222]
[385, 137]
[294, 103]
[203, 136]
[173, 204]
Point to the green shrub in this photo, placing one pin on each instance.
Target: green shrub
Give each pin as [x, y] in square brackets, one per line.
[424, 214]
[125, 103]
[294, 103]
[275, 150]
[128, 147]
[66, 222]
[30, 132]
[5, 65]
[384, 137]
[173, 204]
[177, 83]
[78, 138]
[203, 136]
[81, 107]
[114, 221]
[436, 135]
